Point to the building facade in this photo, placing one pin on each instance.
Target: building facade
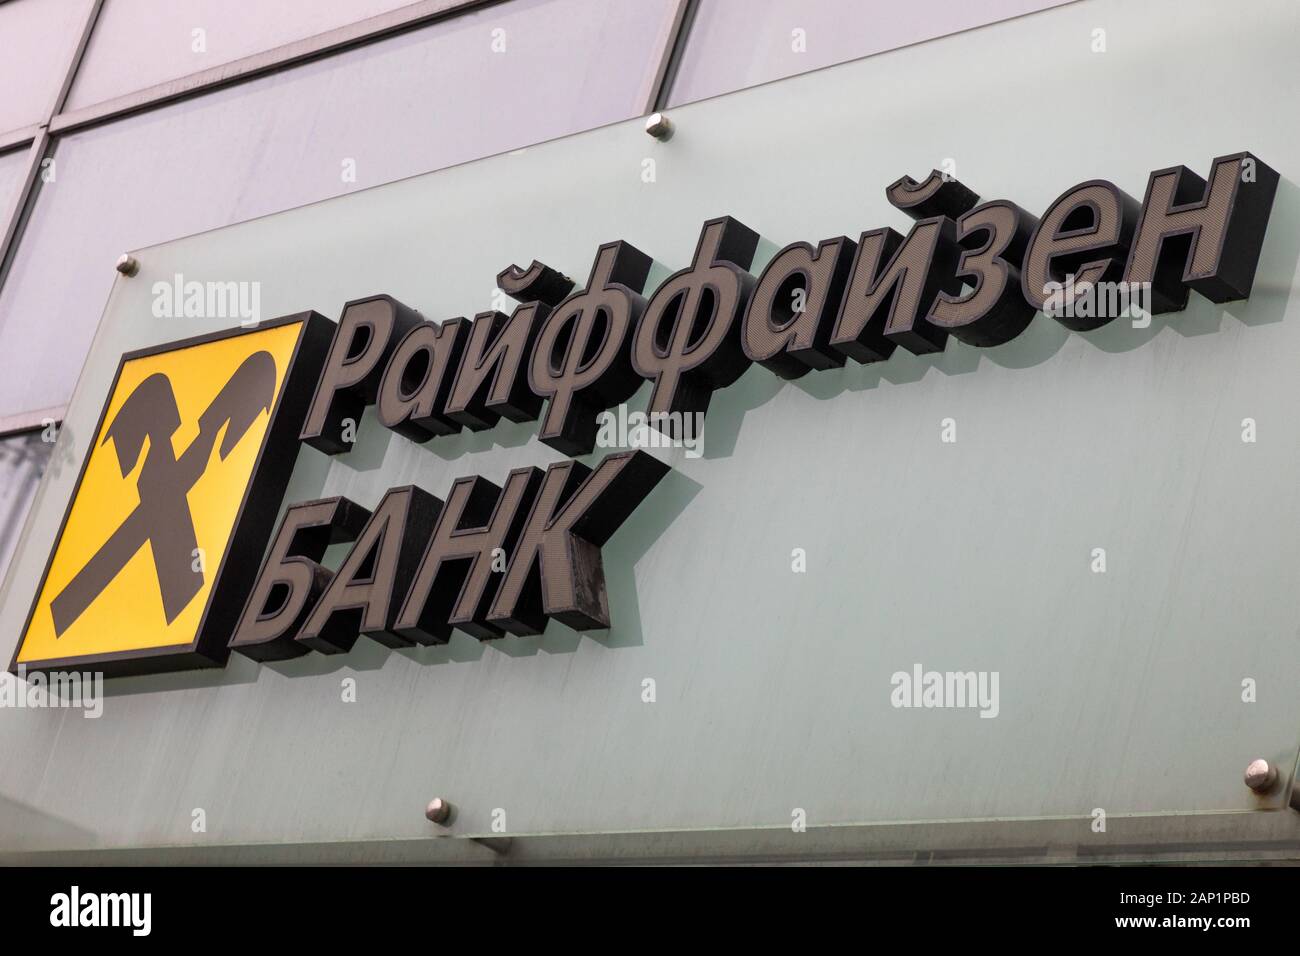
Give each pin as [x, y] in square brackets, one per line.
[1024, 591]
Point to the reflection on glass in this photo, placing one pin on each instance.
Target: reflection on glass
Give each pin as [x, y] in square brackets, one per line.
[22, 462]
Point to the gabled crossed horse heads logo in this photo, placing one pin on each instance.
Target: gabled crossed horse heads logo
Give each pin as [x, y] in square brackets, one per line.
[174, 502]
[162, 519]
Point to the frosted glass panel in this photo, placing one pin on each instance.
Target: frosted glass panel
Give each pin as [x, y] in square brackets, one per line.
[37, 38]
[420, 101]
[140, 43]
[738, 43]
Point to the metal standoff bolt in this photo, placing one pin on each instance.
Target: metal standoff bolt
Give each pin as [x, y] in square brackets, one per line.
[1261, 776]
[659, 126]
[128, 265]
[439, 811]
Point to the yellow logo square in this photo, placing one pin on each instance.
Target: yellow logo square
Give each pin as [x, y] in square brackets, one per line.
[159, 500]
